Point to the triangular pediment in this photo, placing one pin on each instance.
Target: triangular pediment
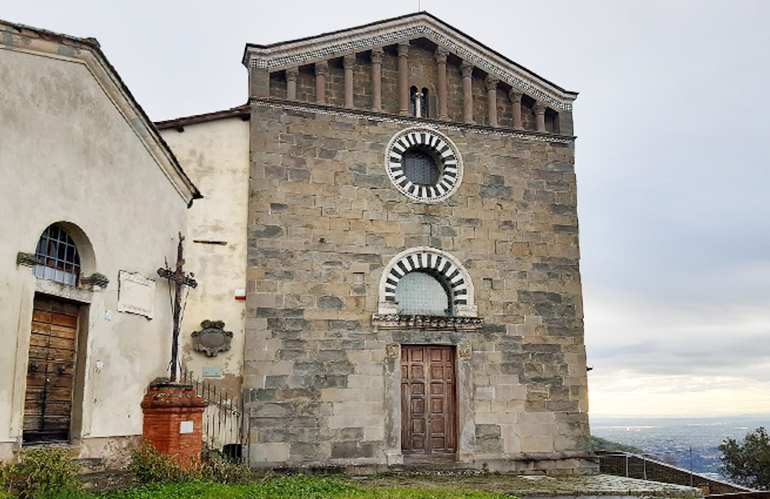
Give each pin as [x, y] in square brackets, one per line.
[294, 53]
[87, 51]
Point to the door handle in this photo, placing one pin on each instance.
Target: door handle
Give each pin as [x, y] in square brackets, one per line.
[61, 369]
[33, 367]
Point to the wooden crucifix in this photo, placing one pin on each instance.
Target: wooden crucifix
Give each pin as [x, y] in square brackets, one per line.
[180, 279]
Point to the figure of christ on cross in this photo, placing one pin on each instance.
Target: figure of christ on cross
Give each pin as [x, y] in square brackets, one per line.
[180, 279]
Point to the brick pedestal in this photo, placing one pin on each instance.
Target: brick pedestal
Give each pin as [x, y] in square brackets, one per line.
[173, 416]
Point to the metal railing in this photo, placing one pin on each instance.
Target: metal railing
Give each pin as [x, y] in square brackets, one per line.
[648, 467]
[226, 420]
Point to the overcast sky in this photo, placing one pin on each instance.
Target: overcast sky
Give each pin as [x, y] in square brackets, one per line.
[672, 158]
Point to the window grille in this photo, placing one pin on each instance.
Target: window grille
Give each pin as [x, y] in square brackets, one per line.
[58, 257]
[420, 167]
[420, 293]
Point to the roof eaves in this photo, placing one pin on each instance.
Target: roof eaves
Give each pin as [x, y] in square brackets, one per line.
[242, 112]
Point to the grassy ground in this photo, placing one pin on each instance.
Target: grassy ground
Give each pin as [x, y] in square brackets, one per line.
[293, 487]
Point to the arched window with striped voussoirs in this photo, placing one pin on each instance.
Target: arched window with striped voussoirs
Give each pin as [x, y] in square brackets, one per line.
[426, 281]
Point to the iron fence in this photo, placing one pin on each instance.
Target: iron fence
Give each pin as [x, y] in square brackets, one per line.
[226, 420]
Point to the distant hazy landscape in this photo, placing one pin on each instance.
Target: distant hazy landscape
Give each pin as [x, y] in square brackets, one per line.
[670, 439]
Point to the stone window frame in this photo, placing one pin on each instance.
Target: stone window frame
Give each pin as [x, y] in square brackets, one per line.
[442, 147]
[426, 258]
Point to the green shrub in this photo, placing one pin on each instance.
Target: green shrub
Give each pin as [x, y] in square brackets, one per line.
[47, 471]
[149, 465]
[222, 470]
[6, 473]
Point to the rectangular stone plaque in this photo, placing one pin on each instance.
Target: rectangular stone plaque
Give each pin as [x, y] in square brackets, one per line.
[185, 427]
[136, 294]
[212, 372]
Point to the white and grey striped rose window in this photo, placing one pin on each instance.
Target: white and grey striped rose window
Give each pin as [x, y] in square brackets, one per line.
[424, 164]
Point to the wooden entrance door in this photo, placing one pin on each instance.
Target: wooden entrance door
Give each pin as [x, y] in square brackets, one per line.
[428, 421]
[50, 370]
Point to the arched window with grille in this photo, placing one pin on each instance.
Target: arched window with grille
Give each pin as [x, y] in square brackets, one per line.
[423, 293]
[58, 257]
[426, 281]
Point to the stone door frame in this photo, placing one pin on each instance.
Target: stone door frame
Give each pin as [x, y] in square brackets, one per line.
[466, 426]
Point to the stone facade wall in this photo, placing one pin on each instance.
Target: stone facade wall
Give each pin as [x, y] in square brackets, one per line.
[454, 90]
[305, 84]
[324, 221]
[362, 82]
[390, 103]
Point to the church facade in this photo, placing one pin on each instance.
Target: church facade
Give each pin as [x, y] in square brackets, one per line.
[411, 276]
[387, 241]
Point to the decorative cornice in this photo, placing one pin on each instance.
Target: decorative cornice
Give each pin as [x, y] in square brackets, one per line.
[396, 31]
[432, 322]
[27, 259]
[96, 279]
[388, 118]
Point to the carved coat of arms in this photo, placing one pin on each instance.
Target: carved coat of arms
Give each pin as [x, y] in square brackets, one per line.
[212, 338]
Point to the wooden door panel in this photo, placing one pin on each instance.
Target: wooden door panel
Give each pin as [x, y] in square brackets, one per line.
[64, 320]
[64, 308]
[41, 315]
[428, 412]
[41, 327]
[63, 332]
[37, 354]
[52, 353]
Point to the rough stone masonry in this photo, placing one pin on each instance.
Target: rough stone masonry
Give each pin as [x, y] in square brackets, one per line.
[323, 370]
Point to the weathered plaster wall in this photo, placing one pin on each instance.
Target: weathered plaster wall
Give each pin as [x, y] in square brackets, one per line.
[325, 220]
[68, 154]
[215, 155]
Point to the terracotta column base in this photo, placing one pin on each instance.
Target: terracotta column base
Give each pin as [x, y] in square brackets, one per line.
[173, 420]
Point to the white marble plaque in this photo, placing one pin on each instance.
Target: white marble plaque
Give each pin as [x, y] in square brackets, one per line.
[185, 427]
[136, 294]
